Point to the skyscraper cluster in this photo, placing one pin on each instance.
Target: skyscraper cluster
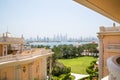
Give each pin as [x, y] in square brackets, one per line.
[60, 38]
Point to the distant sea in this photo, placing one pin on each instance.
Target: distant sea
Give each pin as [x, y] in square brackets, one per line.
[51, 44]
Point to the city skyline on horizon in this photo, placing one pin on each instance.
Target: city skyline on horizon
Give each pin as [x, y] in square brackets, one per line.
[60, 37]
[47, 18]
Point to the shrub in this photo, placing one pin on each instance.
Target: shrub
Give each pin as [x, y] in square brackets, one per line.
[92, 70]
[55, 78]
[62, 77]
[59, 69]
[61, 72]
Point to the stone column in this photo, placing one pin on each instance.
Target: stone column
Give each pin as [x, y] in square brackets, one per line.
[17, 72]
[101, 60]
[44, 68]
[31, 74]
[3, 50]
[21, 48]
[50, 68]
[6, 50]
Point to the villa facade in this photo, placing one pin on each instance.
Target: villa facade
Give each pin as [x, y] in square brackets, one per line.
[109, 40]
[18, 62]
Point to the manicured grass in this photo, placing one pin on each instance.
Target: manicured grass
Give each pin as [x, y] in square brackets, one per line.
[78, 65]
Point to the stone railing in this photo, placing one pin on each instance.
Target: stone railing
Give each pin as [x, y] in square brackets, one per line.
[15, 40]
[113, 64]
[113, 48]
[109, 29]
[15, 48]
[20, 57]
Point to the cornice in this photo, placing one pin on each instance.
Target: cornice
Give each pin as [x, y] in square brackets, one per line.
[109, 33]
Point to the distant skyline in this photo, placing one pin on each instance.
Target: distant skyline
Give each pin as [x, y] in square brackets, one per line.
[50, 17]
[60, 37]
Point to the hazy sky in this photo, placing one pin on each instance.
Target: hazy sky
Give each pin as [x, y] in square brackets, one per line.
[49, 17]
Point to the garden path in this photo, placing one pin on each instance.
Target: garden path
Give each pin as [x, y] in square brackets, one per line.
[79, 76]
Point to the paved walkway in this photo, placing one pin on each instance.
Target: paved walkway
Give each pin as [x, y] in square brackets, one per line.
[78, 76]
[105, 78]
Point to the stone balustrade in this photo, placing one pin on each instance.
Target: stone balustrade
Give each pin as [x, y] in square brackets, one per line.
[114, 67]
[109, 29]
[11, 39]
[20, 57]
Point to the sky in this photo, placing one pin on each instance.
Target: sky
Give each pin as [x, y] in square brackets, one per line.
[49, 17]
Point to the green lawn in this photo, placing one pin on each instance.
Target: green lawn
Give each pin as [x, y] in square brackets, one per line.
[78, 65]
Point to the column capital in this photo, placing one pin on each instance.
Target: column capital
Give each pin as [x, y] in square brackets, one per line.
[18, 66]
[100, 36]
[31, 63]
[49, 57]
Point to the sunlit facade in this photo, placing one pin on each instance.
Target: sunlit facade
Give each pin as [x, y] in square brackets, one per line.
[109, 38]
[19, 62]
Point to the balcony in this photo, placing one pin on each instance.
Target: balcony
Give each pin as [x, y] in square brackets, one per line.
[25, 56]
[113, 64]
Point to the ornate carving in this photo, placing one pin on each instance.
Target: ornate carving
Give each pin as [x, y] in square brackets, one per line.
[31, 63]
[18, 66]
[100, 37]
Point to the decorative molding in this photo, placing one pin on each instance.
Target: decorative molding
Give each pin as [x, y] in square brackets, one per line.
[18, 66]
[113, 48]
[100, 37]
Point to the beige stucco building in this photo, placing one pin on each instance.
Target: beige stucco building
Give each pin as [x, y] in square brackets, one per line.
[18, 62]
[109, 38]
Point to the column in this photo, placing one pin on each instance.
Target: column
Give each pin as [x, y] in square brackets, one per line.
[21, 48]
[50, 68]
[31, 73]
[44, 68]
[101, 60]
[6, 50]
[3, 50]
[17, 72]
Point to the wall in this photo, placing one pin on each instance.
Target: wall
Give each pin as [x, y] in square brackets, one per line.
[24, 70]
[38, 69]
[109, 39]
[7, 72]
